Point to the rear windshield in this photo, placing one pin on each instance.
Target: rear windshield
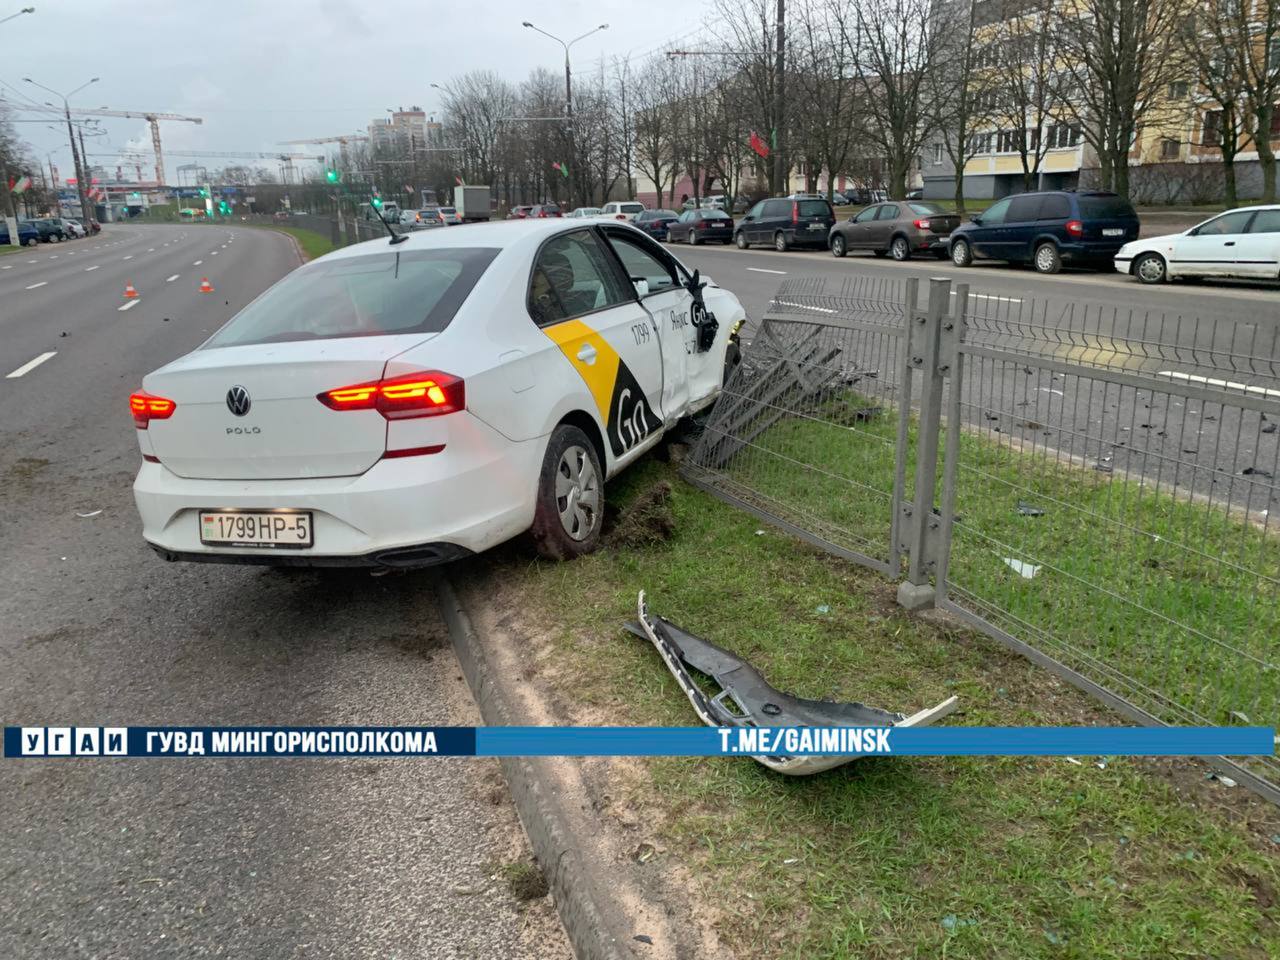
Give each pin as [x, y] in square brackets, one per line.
[925, 209]
[1105, 208]
[550, 208]
[813, 208]
[631, 207]
[448, 210]
[714, 215]
[415, 291]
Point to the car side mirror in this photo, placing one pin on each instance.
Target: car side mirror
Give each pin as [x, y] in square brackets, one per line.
[641, 285]
[748, 217]
[975, 218]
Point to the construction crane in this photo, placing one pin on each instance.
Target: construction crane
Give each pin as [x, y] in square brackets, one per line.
[285, 158]
[151, 116]
[341, 140]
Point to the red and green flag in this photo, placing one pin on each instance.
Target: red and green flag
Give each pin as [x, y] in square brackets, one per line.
[21, 185]
[758, 145]
[562, 167]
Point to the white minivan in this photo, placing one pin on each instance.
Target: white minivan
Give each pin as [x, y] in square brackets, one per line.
[623, 209]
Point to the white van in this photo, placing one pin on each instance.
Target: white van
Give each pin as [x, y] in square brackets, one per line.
[623, 209]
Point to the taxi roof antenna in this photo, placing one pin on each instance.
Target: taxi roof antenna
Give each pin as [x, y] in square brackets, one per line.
[395, 237]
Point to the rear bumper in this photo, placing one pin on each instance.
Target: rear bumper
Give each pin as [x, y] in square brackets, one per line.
[1090, 251]
[811, 238]
[409, 511]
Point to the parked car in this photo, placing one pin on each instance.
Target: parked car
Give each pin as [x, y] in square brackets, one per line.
[90, 225]
[580, 213]
[48, 230]
[544, 210]
[916, 194]
[839, 199]
[900, 228]
[519, 213]
[450, 216]
[1047, 229]
[623, 209]
[1241, 243]
[74, 228]
[701, 226]
[786, 223]
[28, 235]
[656, 222]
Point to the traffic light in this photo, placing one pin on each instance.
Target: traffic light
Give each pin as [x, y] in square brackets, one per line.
[204, 193]
[333, 176]
[377, 202]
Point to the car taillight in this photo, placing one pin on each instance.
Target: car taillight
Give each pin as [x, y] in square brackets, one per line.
[426, 394]
[1075, 228]
[921, 224]
[146, 407]
[621, 216]
[795, 212]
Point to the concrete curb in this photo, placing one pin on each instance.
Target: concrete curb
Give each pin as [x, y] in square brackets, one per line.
[597, 931]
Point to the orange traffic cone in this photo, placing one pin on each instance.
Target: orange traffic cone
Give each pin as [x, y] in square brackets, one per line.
[129, 292]
[205, 285]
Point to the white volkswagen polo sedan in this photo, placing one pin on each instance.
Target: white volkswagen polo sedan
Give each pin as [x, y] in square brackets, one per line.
[405, 403]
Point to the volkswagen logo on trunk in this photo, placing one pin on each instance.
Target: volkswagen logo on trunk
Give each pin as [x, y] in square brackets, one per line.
[238, 401]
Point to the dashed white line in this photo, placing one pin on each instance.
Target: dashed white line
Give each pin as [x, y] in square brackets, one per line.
[40, 284]
[33, 261]
[173, 278]
[197, 263]
[94, 267]
[31, 365]
[1211, 382]
[54, 257]
[127, 306]
[151, 249]
[8, 267]
[991, 296]
[129, 257]
[213, 253]
[763, 270]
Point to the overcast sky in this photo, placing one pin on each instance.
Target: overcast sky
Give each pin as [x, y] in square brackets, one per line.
[262, 71]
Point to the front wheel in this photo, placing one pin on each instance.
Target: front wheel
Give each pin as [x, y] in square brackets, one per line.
[740, 238]
[900, 249]
[1150, 268]
[961, 255]
[570, 508]
[837, 246]
[780, 242]
[1047, 259]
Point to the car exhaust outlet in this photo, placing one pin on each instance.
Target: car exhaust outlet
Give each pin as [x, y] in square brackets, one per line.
[747, 700]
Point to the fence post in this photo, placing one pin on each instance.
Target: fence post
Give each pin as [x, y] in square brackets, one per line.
[921, 523]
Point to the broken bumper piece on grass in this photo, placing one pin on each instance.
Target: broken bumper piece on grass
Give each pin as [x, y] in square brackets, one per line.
[746, 700]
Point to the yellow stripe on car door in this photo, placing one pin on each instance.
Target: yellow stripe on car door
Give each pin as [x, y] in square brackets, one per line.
[601, 372]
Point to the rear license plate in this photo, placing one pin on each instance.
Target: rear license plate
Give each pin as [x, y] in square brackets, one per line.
[817, 226]
[1113, 232]
[270, 529]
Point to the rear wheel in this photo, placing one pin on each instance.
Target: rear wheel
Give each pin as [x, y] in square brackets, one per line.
[961, 255]
[900, 248]
[837, 245]
[740, 238]
[1047, 259]
[780, 242]
[1151, 268]
[570, 508]
[693, 238]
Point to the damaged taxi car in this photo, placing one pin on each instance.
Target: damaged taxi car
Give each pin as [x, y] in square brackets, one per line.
[406, 402]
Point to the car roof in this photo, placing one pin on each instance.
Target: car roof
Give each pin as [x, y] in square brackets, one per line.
[502, 234]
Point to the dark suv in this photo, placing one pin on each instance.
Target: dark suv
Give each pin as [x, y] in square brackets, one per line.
[786, 223]
[1047, 229]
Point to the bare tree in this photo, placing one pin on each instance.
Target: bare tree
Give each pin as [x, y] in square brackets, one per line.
[963, 90]
[1121, 55]
[1031, 85]
[1202, 39]
[748, 35]
[476, 105]
[896, 46]
[1252, 38]
[655, 124]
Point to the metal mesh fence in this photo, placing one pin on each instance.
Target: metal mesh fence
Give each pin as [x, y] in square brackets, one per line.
[806, 431]
[1121, 523]
[1107, 478]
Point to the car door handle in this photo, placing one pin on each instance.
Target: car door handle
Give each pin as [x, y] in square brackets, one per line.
[587, 353]
[1229, 243]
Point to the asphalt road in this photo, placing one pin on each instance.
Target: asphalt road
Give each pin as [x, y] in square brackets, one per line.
[195, 858]
[1203, 447]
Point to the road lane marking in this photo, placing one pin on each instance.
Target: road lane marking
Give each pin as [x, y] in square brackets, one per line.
[127, 306]
[213, 253]
[31, 365]
[804, 306]
[54, 257]
[151, 249]
[33, 261]
[40, 284]
[173, 278]
[94, 267]
[762, 270]
[1211, 382]
[129, 257]
[8, 267]
[197, 263]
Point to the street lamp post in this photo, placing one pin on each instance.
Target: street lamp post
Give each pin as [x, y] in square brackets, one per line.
[71, 135]
[568, 95]
[14, 16]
